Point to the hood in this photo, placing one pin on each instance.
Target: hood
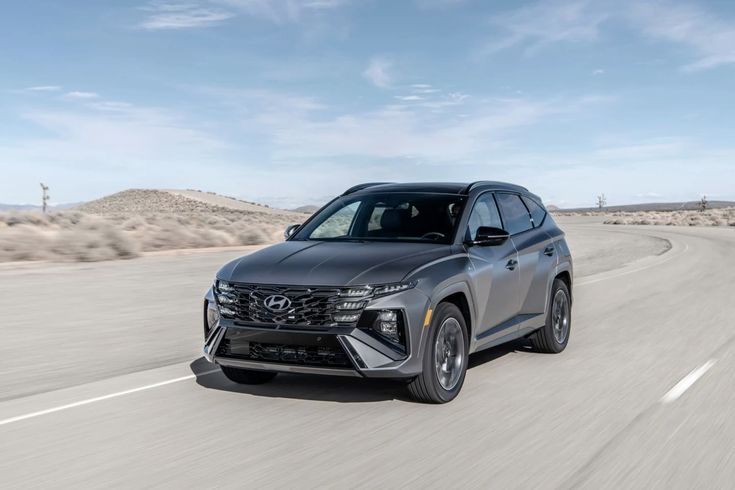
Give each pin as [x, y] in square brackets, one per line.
[314, 263]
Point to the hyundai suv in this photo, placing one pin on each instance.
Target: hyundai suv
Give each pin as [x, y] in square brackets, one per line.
[396, 281]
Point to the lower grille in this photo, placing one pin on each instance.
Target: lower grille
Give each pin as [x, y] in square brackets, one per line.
[327, 353]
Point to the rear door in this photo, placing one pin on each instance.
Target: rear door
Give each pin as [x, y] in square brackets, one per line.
[495, 274]
[536, 258]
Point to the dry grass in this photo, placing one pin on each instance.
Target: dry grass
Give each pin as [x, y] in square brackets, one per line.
[711, 217]
[77, 236]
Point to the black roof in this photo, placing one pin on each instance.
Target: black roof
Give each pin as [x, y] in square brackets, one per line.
[434, 187]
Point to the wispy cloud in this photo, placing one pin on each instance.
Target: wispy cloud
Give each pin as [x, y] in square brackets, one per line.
[43, 88]
[379, 73]
[81, 95]
[170, 15]
[710, 36]
[547, 22]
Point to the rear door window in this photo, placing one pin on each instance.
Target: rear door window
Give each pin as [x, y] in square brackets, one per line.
[515, 214]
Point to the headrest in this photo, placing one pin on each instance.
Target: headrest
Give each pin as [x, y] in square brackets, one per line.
[392, 219]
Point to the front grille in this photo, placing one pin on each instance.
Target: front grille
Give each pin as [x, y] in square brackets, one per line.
[310, 306]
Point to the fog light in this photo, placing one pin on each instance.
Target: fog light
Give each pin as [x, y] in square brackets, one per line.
[347, 318]
[350, 305]
[389, 328]
[388, 324]
[388, 316]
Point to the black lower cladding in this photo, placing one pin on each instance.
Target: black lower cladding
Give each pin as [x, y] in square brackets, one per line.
[284, 348]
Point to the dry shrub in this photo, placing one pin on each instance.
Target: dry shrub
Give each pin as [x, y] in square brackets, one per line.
[76, 236]
[711, 217]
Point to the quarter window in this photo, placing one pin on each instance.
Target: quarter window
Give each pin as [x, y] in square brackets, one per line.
[515, 214]
[537, 212]
[485, 213]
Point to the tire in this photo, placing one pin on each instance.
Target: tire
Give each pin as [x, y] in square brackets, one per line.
[247, 376]
[553, 337]
[429, 387]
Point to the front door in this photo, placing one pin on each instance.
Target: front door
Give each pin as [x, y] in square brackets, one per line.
[495, 275]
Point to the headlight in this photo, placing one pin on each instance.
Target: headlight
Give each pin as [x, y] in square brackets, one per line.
[393, 288]
[223, 286]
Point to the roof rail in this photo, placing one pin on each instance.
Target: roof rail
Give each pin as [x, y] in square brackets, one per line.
[360, 187]
[490, 182]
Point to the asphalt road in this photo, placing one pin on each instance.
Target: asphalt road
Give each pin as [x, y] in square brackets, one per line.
[102, 386]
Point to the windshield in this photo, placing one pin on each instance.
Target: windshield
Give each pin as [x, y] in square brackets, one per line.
[412, 217]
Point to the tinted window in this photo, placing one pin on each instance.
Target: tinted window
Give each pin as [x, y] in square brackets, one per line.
[485, 213]
[387, 217]
[537, 212]
[515, 214]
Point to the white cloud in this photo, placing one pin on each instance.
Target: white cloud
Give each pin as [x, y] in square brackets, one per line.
[172, 15]
[81, 95]
[43, 88]
[378, 72]
[421, 131]
[710, 36]
[409, 98]
[281, 11]
[547, 22]
[598, 72]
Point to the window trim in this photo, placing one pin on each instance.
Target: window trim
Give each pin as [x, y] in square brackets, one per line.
[474, 205]
[546, 213]
[500, 209]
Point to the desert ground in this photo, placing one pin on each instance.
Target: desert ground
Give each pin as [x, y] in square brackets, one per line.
[104, 385]
[130, 223]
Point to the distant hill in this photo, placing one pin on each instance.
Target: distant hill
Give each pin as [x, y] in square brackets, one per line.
[146, 201]
[33, 207]
[654, 206]
[309, 209]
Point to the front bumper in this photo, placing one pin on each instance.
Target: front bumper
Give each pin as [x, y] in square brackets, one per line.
[340, 350]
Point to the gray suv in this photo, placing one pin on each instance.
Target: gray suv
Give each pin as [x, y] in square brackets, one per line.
[396, 281]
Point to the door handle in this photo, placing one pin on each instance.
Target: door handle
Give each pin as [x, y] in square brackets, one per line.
[511, 265]
[549, 251]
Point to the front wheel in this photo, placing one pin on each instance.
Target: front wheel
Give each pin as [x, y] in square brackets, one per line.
[553, 337]
[247, 376]
[445, 358]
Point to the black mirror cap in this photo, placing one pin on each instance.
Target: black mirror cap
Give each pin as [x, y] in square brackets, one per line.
[290, 230]
[488, 236]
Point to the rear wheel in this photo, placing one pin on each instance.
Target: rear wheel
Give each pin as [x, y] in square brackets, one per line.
[445, 358]
[247, 376]
[553, 337]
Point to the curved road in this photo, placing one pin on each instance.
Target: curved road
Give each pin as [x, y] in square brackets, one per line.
[641, 398]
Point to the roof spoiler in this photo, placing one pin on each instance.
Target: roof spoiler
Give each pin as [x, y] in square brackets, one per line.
[489, 182]
[360, 187]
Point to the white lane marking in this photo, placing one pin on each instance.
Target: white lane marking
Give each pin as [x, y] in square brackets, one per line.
[679, 388]
[104, 397]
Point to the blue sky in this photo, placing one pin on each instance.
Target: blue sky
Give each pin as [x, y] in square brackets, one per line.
[289, 102]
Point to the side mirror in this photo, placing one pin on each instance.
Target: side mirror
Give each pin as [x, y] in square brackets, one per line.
[290, 229]
[488, 236]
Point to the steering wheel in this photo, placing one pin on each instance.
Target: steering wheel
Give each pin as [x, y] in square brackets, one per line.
[433, 234]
